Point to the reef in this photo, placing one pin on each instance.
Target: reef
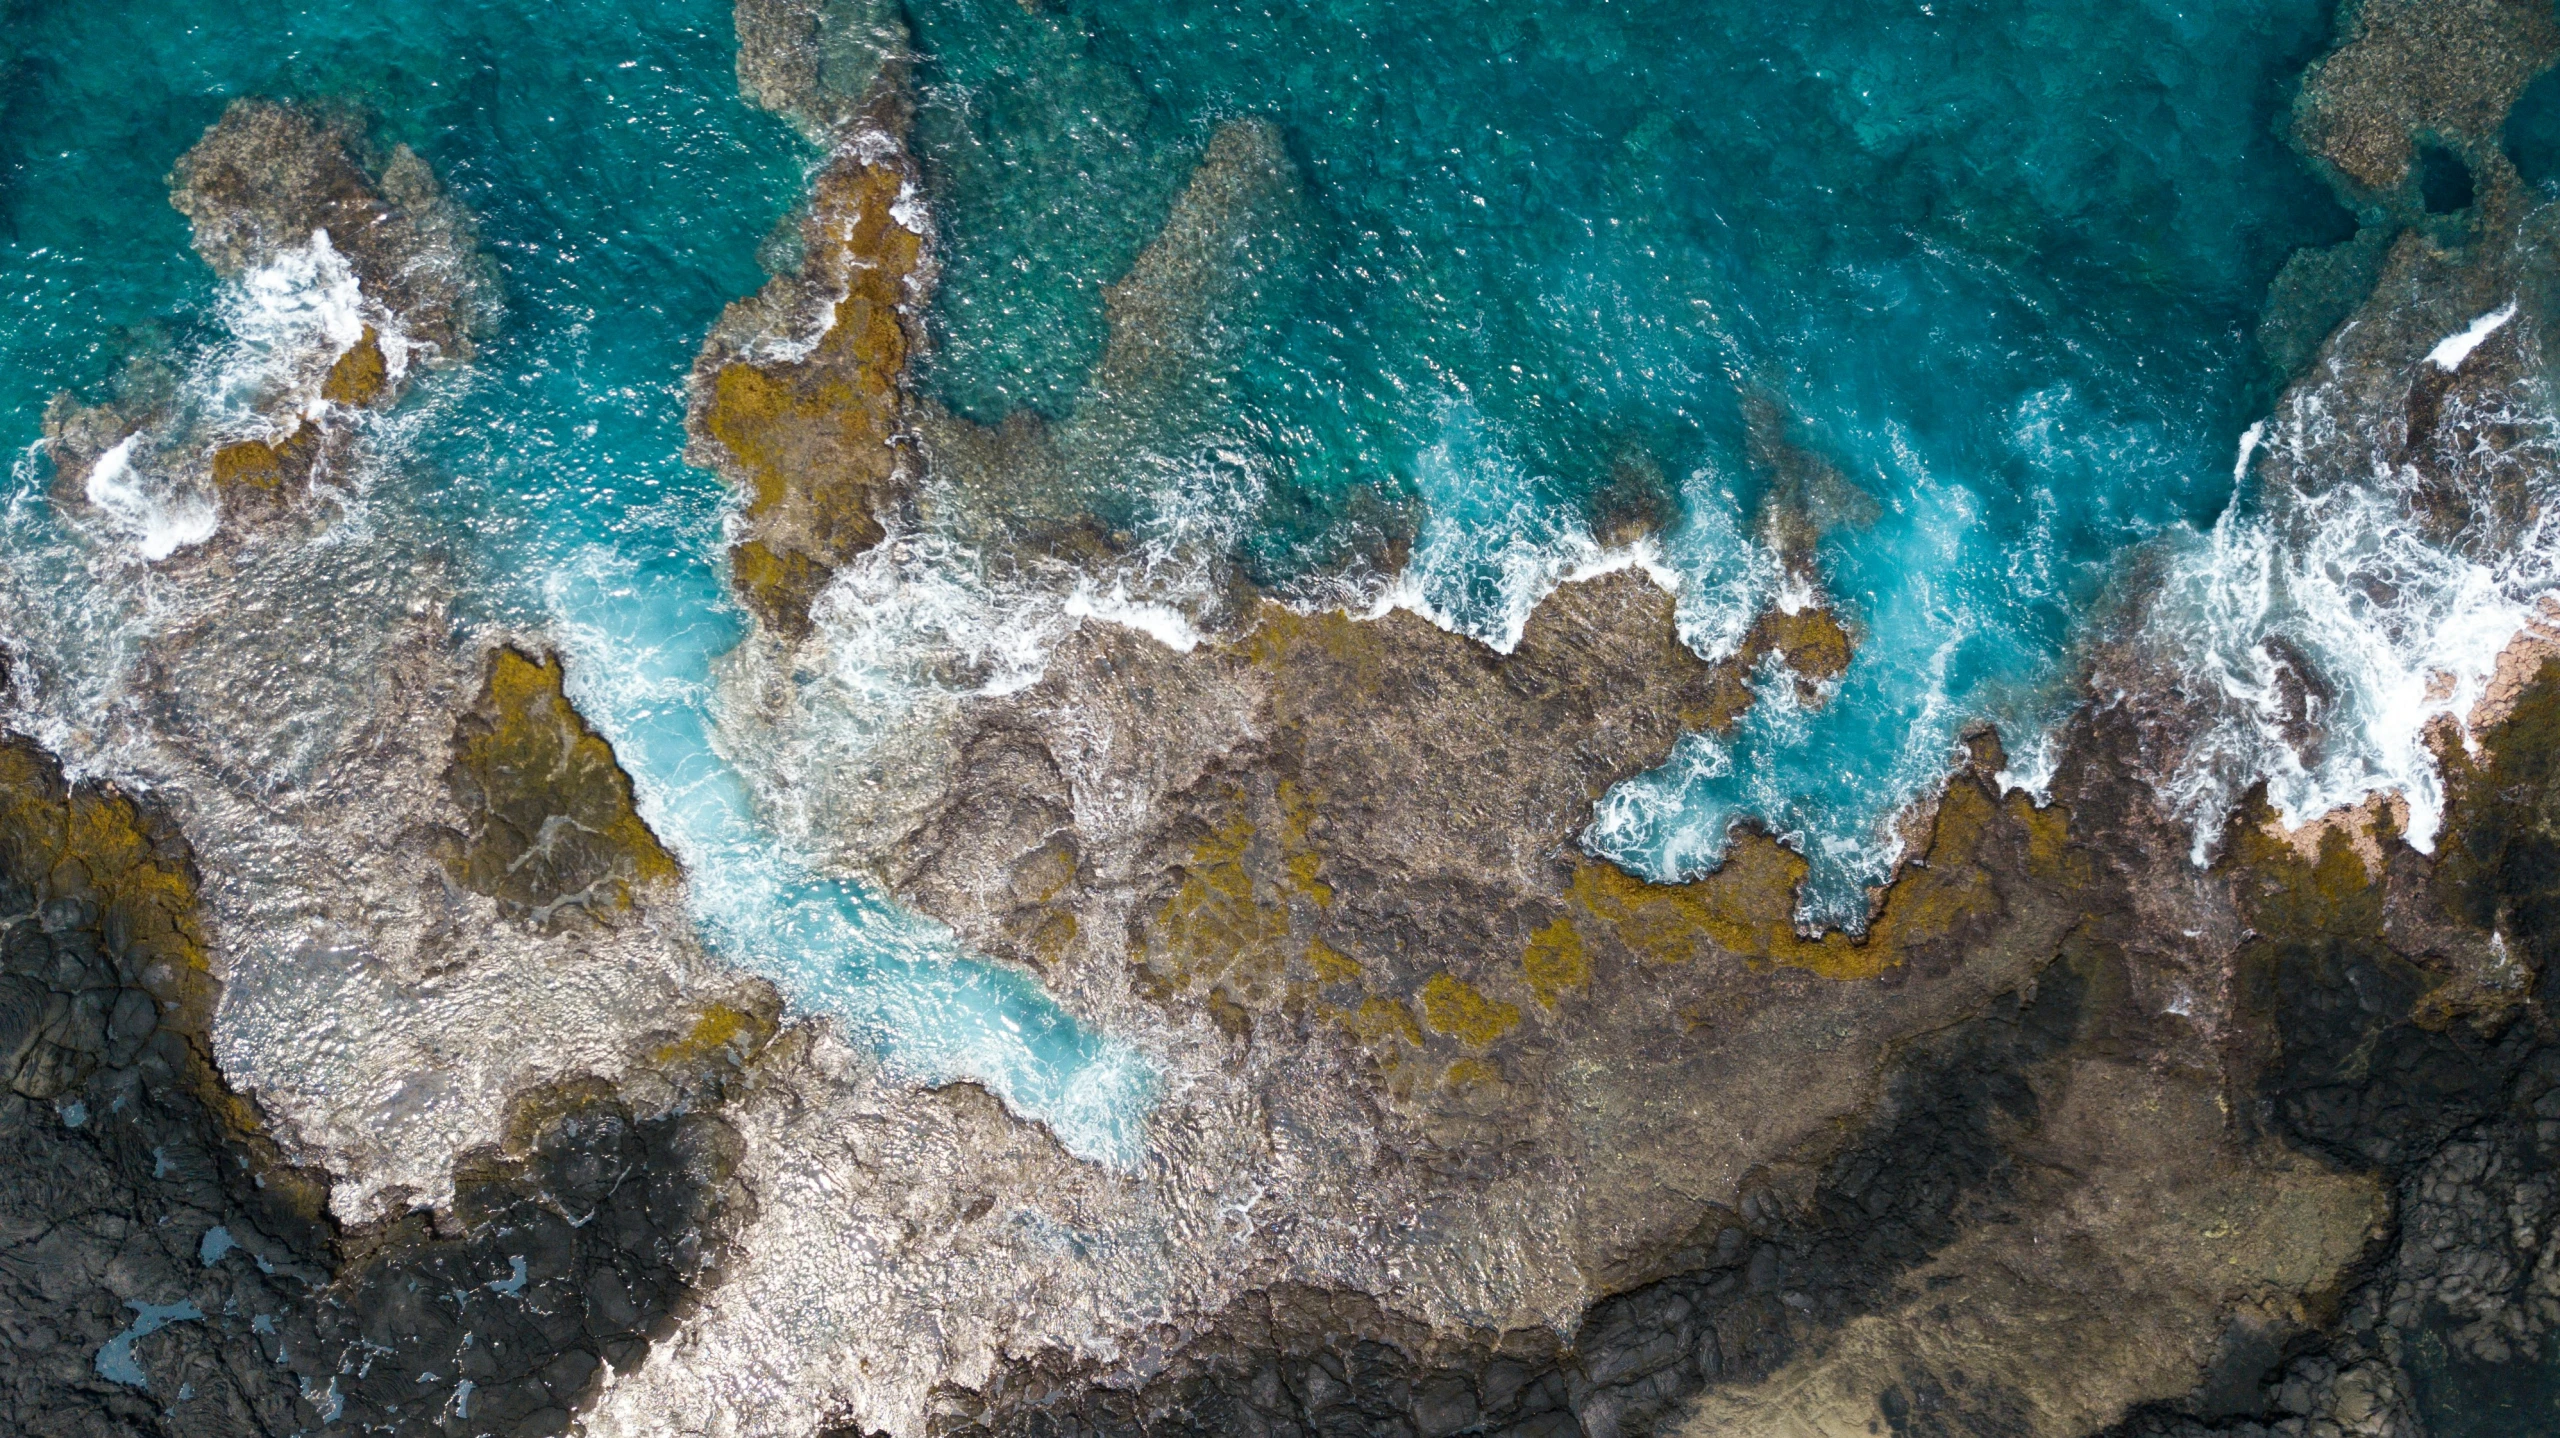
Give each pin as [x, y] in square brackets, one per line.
[2088, 1129]
[2410, 73]
[2158, 1150]
[267, 176]
[303, 196]
[2078, 1135]
[800, 395]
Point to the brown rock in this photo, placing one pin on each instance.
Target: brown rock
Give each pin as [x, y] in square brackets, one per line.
[818, 442]
[550, 831]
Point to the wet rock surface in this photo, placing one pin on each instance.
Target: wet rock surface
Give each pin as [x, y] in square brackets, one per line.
[2072, 1211]
[2076, 1136]
[273, 187]
[550, 832]
[800, 395]
[267, 175]
[164, 1270]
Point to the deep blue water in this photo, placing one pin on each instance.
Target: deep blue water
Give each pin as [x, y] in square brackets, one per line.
[1994, 265]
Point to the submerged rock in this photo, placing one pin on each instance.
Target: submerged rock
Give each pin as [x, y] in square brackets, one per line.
[550, 830]
[815, 62]
[1233, 246]
[2411, 68]
[267, 176]
[373, 269]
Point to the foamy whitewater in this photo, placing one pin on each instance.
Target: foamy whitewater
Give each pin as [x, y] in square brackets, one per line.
[1974, 358]
[2404, 620]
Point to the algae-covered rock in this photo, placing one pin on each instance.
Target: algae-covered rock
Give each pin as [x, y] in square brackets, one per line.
[385, 270]
[800, 396]
[549, 827]
[1354, 842]
[2085, 1207]
[165, 1271]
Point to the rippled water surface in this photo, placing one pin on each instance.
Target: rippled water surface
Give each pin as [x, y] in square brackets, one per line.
[1964, 291]
[1986, 272]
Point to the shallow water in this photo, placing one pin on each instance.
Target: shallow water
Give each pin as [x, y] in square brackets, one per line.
[1993, 265]
[624, 188]
[1967, 290]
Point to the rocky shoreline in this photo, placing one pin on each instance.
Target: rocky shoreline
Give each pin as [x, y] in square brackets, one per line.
[1462, 1130]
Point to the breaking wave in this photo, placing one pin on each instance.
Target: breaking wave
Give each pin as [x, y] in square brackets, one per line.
[2347, 612]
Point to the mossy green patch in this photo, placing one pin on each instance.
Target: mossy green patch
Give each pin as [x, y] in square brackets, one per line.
[1555, 962]
[1332, 965]
[551, 832]
[1459, 1009]
[814, 441]
[361, 375]
[264, 472]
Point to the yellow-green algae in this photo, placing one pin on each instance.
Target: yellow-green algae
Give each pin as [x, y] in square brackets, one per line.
[551, 833]
[91, 844]
[361, 375]
[258, 473]
[1555, 962]
[1251, 925]
[1216, 935]
[1459, 1009]
[815, 442]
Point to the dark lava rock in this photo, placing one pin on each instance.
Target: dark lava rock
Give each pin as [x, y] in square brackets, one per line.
[163, 1270]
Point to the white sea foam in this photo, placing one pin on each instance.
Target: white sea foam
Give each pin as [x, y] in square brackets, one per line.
[1163, 623]
[162, 518]
[2249, 439]
[284, 324]
[754, 804]
[1494, 545]
[2395, 588]
[2453, 349]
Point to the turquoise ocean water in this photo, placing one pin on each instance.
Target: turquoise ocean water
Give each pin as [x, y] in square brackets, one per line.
[1994, 266]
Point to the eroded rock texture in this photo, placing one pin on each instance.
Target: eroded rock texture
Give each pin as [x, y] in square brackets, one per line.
[550, 833]
[800, 394]
[164, 1271]
[2081, 1203]
[266, 176]
[2445, 70]
[302, 193]
[2076, 1137]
